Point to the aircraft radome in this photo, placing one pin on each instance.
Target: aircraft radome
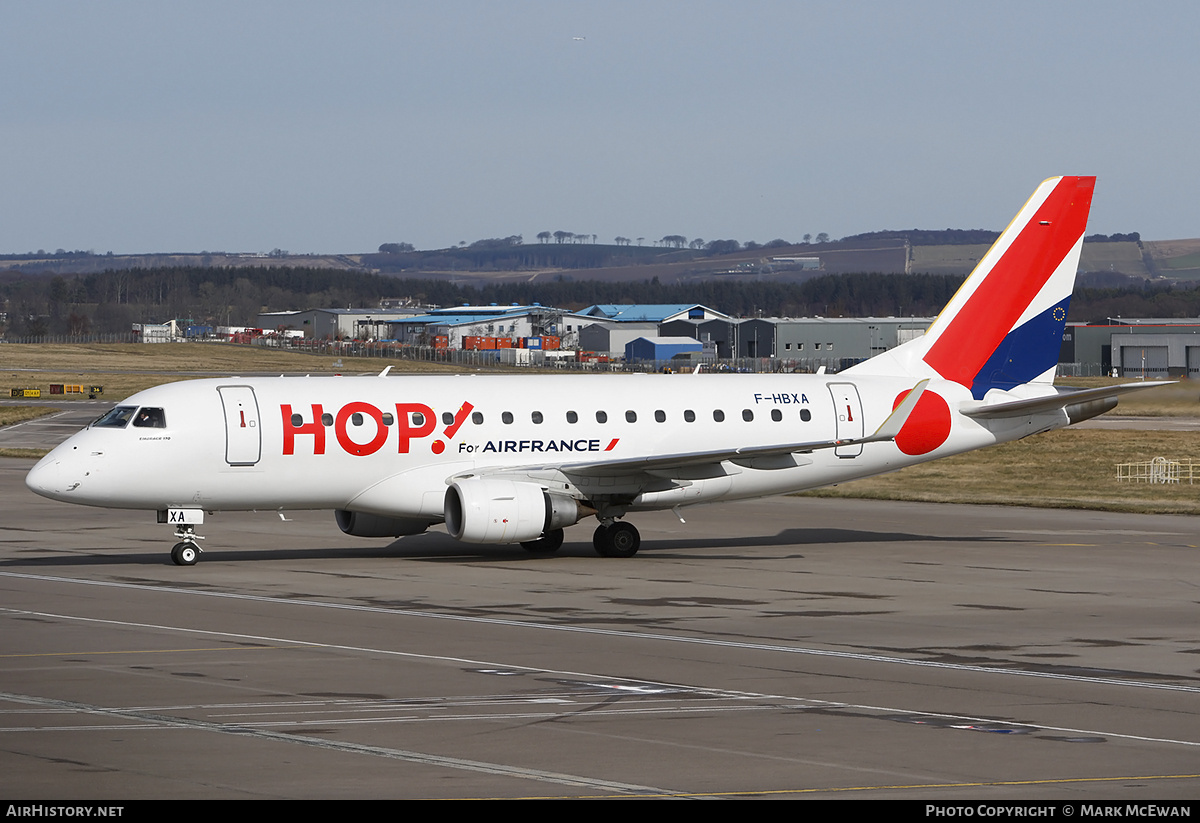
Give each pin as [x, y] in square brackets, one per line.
[516, 459]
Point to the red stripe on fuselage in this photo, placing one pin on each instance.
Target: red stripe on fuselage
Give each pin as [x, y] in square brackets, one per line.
[999, 301]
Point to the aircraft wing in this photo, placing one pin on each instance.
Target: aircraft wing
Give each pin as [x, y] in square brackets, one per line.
[755, 456]
[1064, 398]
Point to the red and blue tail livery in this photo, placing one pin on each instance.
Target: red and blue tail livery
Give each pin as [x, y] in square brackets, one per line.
[519, 459]
[1004, 327]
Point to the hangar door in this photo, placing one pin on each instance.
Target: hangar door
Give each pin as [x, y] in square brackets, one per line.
[243, 435]
[1144, 361]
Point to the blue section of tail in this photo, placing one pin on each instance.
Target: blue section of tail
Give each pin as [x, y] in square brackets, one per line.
[1025, 352]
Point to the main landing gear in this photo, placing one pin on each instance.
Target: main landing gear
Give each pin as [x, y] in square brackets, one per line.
[612, 539]
[616, 539]
[187, 551]
[548, 543]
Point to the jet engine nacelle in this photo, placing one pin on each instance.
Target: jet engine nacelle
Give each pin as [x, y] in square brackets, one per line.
[497, 510]
[361, 524]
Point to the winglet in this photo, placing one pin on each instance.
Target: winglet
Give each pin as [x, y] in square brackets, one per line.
[384, 373]
[899, 416]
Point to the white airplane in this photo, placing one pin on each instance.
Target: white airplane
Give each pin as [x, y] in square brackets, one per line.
[516, 459]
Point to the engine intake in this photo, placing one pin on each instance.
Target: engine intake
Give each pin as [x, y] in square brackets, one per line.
[497, 510]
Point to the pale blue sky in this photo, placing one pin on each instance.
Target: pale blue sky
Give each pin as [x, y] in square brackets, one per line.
[334, 127]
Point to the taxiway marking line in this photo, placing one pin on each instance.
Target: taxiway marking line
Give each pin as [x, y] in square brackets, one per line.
[339, 746]
[795, 702]
[700, 641]
[143, 651]
[784, 792]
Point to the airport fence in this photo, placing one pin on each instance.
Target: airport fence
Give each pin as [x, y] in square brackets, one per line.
[485, 358]
[555, 360]
[1081, 370]
[1159, 470]
[120, 337]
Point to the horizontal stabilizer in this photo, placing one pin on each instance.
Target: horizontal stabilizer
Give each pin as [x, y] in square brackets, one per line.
[1062, 399]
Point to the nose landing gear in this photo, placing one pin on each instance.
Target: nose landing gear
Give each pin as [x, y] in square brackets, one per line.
[187, 551]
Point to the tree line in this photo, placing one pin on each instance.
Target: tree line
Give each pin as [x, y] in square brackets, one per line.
[110, 301]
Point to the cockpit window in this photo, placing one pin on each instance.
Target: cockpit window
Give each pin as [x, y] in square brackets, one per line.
[118, 418]
[150, 418]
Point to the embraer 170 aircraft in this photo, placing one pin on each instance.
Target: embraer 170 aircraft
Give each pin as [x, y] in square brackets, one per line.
[516, 459]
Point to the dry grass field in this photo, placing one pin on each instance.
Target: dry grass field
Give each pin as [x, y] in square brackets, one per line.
[1122, 257]
[1180, 399]
[1069, 468]
[947, 259]
[19, 414]
[125, 368]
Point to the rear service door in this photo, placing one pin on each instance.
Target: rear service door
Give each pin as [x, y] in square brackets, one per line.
[847, 408]
[243, 435]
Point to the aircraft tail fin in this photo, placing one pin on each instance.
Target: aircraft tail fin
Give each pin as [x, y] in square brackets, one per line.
[1004, 326]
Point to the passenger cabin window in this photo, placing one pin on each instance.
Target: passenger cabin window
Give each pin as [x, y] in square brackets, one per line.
[747, 415]
[506, 417]
[660, 416]
[630, 417]
[418, 419]
[805, 415]
[117, 418]
[776, 415]
[718, 415]
[572, 417]
[477, 418]
[356, 419]
[689, 416]
[601, 417]
[447, 418]
[387, 419]
[327, 419]
[536, 417]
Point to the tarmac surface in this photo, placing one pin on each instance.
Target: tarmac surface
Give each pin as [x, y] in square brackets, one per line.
[785, 648]
[48, 431]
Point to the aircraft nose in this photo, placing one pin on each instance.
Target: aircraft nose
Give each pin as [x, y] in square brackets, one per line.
[45, 478]
[59, 474]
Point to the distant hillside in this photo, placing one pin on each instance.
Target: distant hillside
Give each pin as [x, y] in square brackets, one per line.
[89, 263]
[1121, 257]
[1175, 259]
[931, 237]
[1106, 259]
